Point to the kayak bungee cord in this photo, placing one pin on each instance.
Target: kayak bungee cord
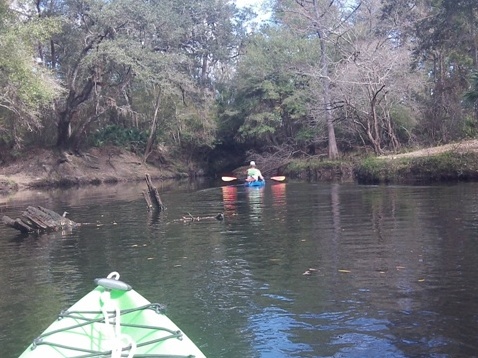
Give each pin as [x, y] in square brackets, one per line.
[113, 328]
[117, 344]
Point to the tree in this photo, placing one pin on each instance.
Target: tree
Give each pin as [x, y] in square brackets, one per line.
[322, 19]
[446, 49]
[26, 85]
[152, 62]
[471, 96]
[269, 96]
[374, 83]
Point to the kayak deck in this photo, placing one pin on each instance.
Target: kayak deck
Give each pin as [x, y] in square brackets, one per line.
[113, 323]
[256, 183]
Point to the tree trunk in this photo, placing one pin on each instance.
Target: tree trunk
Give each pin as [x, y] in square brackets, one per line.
[152, 197]
[333, 150]
[154, 124]
[325, 79]
[64, 130]
[66, 114]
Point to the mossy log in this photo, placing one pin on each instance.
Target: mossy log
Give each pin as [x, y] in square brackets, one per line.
[39, 220]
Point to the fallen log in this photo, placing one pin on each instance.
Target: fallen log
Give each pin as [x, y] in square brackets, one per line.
[152, 197]
[17, 224]
[39, 220]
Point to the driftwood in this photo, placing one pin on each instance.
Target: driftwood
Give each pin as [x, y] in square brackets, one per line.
[153, 200]
[39, 220]
[190, 218]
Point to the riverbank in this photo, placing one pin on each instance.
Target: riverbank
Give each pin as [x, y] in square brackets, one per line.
[447, 163]
[44, 169]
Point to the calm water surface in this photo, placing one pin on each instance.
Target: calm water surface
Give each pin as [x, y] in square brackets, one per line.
[294, 270]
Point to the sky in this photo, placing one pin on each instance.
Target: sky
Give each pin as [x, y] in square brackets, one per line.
[244, 3]
[256, 5]
[253, 3]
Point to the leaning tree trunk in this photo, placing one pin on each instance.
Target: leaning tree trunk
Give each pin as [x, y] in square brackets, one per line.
[152, 196]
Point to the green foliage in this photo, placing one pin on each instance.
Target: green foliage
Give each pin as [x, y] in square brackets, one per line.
[26, 86]
[119, 51]
[405, 122]
[317, 169]
[305, 135]
[269, 96]
[197, 133]
[300, 165]
[295, 104]
[193, 67]
[259, 126]
[447, 166]
[471, 96]
[449, 33]
[373, 170]
[130, 138]
[470, 127]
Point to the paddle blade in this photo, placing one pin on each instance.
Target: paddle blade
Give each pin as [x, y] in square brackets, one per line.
[278, 178]
[229, 178]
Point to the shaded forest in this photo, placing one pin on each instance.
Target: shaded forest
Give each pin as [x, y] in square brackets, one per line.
[207, 83]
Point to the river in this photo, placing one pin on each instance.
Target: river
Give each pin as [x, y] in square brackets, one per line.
[294, 270]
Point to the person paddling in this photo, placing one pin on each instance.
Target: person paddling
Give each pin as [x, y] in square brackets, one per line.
[253, 173]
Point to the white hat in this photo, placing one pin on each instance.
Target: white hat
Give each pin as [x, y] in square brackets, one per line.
[253, 163]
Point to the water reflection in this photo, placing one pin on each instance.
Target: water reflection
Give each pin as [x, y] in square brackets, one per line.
[255, 198]
[229, 198]
[274, 334]
[279, 194]
[395, 267]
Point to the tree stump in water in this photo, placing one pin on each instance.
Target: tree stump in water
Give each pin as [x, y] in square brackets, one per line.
[152, 197]
[39, 220]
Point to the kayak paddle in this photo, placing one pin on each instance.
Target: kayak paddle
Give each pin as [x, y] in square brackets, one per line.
[229, 178]
[277, 178]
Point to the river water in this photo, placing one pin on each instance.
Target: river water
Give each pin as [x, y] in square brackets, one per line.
[294, 270]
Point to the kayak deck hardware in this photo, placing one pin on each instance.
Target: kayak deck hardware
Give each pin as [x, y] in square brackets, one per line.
[122, 345]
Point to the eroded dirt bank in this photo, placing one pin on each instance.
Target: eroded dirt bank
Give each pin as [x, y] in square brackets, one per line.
[42, 168]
